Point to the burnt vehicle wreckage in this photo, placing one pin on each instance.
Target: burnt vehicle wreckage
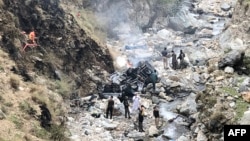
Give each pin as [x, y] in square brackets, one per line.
[130, 81]
[122, 84]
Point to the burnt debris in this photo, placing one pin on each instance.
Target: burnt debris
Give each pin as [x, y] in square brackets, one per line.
[129, 81]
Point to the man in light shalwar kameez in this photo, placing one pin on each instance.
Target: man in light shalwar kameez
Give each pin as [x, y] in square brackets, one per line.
[136, 103]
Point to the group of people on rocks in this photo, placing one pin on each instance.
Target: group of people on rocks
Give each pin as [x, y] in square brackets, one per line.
[137, 107]
[166, 55]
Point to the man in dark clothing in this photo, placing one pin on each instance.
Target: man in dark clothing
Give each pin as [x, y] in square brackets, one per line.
[126, 106]
[45, 116]
[181, 57]
[156, 115]
[164, 54]
[153, 77]
[110, 107]
[141, 118]
[174, 61]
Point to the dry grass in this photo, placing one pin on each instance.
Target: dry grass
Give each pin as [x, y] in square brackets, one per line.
[15, 81]
[20, 106]
[88, 21]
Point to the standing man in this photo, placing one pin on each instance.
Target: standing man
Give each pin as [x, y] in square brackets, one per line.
[126, 106]
[141, 118]
[174, 61]
[156, 115]
[164, 54]
[110, 107]
[181, 57]
[154, 78]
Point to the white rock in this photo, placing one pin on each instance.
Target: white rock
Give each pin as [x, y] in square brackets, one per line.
[153, 131]
[136, 134]
[232, 104]
[109, 126]
[225, 6]
[229, 70]
[164, 33]
[183, 138]
[70, 119]
[201, 136]
[75, 138]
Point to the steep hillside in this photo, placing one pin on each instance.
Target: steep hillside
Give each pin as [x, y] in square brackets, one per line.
[67, 60]
[19, 103]
[65, 51]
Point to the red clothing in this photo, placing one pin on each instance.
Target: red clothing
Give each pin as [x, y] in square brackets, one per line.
[32, 36]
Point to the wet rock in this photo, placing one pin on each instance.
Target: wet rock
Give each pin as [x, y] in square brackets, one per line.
[225, 6]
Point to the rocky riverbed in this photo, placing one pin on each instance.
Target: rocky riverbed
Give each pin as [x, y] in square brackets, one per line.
[194, 102]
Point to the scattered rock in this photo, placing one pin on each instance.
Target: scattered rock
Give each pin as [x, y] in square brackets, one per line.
[153, 131]
[155, 100]
[201, 136]
[245, 120]
[232, 104]
[108, 125]
[225, 6]
[231, 59]
[183, 138]
[229, 70]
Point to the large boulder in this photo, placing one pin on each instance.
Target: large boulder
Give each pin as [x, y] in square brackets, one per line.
[184, 21]
[233, 59]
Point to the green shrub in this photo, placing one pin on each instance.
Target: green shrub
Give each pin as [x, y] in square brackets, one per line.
[25, 107]
[58, 133]
[17, 121]
[63, 88]
[40, 132]
[8, 104]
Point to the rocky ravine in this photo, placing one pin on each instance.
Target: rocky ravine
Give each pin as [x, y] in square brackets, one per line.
[217, 94]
